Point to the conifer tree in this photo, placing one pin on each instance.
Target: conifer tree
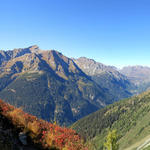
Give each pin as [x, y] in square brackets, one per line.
[111, 141]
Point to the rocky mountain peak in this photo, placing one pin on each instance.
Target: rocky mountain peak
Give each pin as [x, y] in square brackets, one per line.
[34, 48]
[105, 76]
[91, 67]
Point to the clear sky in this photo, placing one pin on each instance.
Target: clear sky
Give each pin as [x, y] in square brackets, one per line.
[114, 32]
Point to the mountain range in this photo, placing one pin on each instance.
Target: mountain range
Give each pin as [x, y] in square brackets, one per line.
[49, 85]
[54, 87]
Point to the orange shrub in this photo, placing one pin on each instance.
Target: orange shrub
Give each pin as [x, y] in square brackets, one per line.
[46, 134]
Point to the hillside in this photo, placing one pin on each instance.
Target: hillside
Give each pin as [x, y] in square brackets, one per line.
[139, 75]
[107, 77]
[49, 85]
[130, 117]
[21, 131]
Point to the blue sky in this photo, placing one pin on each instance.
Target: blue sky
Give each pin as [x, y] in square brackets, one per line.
[114, 32]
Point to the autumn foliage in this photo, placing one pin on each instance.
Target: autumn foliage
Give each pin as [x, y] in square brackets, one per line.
[43, 133]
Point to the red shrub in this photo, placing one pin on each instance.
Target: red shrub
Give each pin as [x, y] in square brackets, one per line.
[41, 132]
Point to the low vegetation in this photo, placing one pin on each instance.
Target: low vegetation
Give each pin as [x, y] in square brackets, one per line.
[45, 135]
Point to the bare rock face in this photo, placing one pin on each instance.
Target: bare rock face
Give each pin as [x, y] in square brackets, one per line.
[106, 76]
[91, 67]
[23, 138]
[34, 48]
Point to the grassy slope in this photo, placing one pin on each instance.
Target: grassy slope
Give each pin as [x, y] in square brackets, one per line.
[130, 117]
[147, 148]
[140, 145]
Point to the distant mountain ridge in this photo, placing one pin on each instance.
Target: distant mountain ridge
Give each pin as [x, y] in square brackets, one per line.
[139, 75]
[107, 76]
[91, 67]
